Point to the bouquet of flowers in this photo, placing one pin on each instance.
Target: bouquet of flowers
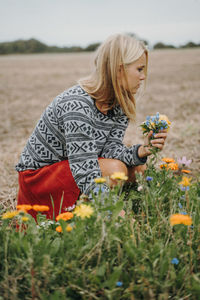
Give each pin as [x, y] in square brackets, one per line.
[155, 124]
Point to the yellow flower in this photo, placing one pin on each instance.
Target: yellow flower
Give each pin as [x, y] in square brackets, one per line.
[180, 219]
[119, 175]
[65, 216]
[24, 207]
[83, 211]
[168, 160]
[165, 118]
[10, 214]
[185, 181]
[172, 166]
[100, 180]
[40, 207]
[24, 219]
[69, 228]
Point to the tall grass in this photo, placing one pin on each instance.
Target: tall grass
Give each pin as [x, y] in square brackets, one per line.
[125, 249]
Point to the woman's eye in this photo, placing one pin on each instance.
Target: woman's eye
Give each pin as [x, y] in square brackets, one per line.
[140, 69]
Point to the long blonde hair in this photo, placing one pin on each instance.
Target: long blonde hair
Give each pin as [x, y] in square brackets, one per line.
[103, 85]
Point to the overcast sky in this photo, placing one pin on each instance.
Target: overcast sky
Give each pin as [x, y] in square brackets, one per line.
[82, 22]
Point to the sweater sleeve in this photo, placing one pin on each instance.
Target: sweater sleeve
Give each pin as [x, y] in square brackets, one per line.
[114, 147]
[80, 143]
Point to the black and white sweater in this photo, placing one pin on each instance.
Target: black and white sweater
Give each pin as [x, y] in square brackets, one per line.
[73, 128]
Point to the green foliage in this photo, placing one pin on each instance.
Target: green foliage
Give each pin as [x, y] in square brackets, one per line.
[109, 255]
[35, 46]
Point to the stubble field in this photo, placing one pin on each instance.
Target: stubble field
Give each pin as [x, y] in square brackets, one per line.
[28, 83]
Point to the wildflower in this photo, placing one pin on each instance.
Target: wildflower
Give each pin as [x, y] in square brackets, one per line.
[168, 160]
[172, 166]
[119, 175]
[24, 219]
[184, 188]
[175, 261]
[65, 216]
[165, 118]
[119, 283]
[186, 171]
[68, 228]
[24, 207]
[184, 161]
[40, 208]
[122, 213]
[180, 219]
[163, 166]
[180, 205]
[185, 181]
[140, 187]
[100, 180]
[149, 178]
[83, 211]
[59, 229]
[183, 213]
[10, 214]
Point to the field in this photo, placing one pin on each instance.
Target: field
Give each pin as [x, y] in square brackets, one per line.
[30, 82]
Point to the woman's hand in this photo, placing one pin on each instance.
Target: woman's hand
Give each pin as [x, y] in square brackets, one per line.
[158, 142]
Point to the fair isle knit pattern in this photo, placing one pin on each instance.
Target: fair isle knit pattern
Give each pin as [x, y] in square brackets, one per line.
[73, 128]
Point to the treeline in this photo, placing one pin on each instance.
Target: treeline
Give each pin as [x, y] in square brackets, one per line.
[35, 46]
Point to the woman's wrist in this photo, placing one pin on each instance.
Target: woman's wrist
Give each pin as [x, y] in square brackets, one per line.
[142, 152]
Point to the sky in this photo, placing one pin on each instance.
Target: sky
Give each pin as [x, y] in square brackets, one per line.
[83, 22]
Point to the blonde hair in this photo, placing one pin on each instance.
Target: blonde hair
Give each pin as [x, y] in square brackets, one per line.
[103, 85]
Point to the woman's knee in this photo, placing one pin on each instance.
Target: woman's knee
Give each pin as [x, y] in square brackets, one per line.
[136, 169]
[109, 165]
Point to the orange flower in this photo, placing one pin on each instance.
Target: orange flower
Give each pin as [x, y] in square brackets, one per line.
[65, 216]
[163, 166]
[168, 160]
[180, 219]
[172, 166]
[59, 229]
[185, 181]
[40, 208]
[24, 207]
[186, 171]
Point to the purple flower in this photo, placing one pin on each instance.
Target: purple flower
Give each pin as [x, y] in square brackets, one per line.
[184, 161]
[184, 188]
[183, 213]
[175, 261]
[180, 205]
[149, 178]
[119, 283]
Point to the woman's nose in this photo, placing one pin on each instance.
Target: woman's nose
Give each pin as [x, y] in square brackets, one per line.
[142, 76]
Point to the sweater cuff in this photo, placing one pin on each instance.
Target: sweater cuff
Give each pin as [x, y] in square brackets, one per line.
[140, 161]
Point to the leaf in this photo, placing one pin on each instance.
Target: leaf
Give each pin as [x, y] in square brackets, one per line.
[114, 277]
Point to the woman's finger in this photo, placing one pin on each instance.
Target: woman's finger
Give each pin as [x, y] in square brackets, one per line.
[158, 141]
[160, 135]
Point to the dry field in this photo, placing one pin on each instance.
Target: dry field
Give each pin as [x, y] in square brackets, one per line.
[30, 82]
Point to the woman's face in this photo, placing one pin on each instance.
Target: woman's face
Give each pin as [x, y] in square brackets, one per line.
[135, 74]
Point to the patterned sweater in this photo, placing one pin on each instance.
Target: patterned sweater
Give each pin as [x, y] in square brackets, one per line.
[72, 128]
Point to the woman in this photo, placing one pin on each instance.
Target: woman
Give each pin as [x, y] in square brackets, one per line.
[79, 136]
